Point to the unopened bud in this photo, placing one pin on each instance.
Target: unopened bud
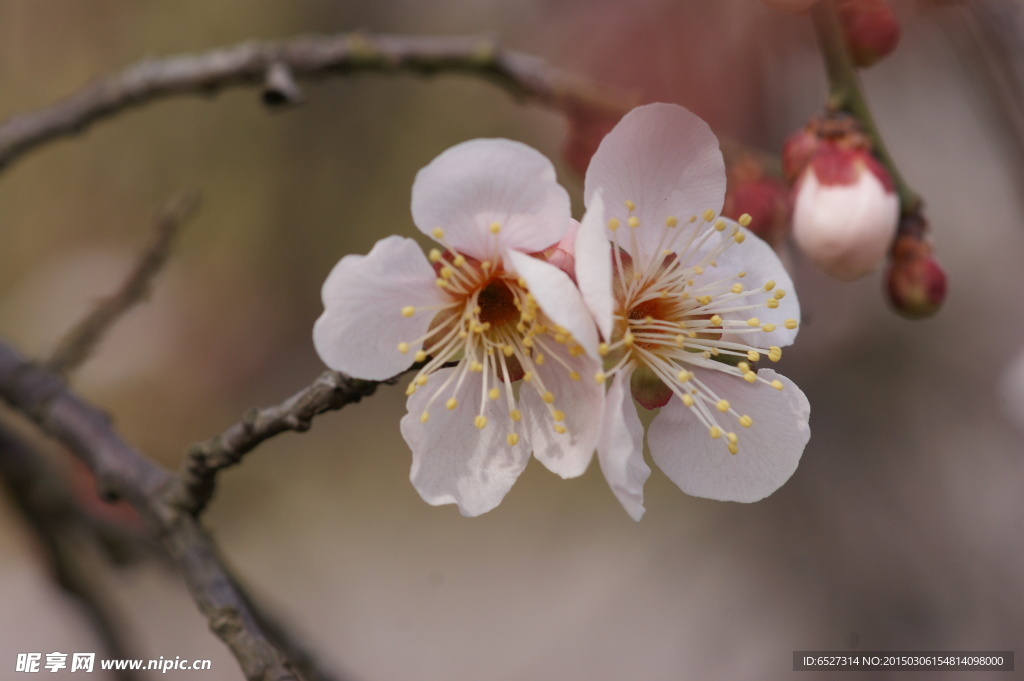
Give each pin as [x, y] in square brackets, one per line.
[562, 255]
[845, 212]
[915, 282]
[752, 190]
[870, 28]
[798, 150]
[791, 6]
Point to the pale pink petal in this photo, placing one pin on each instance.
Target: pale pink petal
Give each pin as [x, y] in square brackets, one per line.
[620, 449]
[761, 265]
[594, 266]
[769, 450]
[666, 161]
[557, 296]
[362, 323]
[476, 184]
[580, 401]
[453, 461]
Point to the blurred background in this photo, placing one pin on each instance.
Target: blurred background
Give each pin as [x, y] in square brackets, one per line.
[903, 528]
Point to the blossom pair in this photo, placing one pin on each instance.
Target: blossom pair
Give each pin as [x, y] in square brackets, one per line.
[531, 332]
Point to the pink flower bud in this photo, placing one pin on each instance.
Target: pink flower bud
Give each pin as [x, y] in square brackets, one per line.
[915, 282]
[791, 6]
[870, 28]
[798, 149]
[761, 195]
[845, 212]
[563, 254]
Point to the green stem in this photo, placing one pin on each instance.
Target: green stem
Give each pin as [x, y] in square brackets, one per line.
[846, 94]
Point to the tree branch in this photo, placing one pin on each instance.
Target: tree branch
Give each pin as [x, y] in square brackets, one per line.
[80, 341]
[276, 65]
[122, 472]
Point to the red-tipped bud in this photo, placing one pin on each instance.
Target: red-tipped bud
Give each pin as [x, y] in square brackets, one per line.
[915, 282]
[798, 149]
[870, 28]
[845, 212]
[762, 196]
[791, 6]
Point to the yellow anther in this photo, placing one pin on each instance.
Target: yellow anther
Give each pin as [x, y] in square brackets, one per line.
[446, 272]
[438, 233]
[720, 226]
[558, 415]
[671, 221]
[745, 220]
[772, 304]
[743, 366]
[704, 300]
[486, 265]
[732, 437]
[476, 367]
[680, 340]
[709, 215]
[508, 350]
[628, 339]
[633, 221]
[753, 321]
[777, 384]
[733, 449]
[512, 439]
[451, 403]
[434, 255]
[706, 354]
[424, 417]
[613, 224]
[715, 432]
[421, 380]
[768, 327]
[516, 415]
[790, 324]
[600, 377]
[691, 334]
[560, 338]
[737, 287]
[560, 429]
[480, 421]
[750, 377]
[574, 375]
[630, 206]
[739, 237]
[411, 388]
[539, 359]
[527, 377]
[459, 260]
[722, 405]
[548, 397]
[575, 350]
[716, 320]
[684, 376]
[441, 283]
[494, 393]
[741, 274]
[769, 285]
[420, 356]
[403, 347]
[687, 400]
[697, 269]
[602, 349]
[780, 294]
[714, 352]
[775, 353]
[693, 218]
[753, 355]
[494, 228]
[746, 421]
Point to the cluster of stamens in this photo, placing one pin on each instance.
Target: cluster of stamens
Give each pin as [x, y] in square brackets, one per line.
[490, 330]
[667, 323]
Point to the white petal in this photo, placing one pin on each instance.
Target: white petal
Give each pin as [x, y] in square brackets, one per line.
[363, 296]
[557, 296]
[769, 450]
[620, 449]
[454, 462]
[663, 158]
[761, 264]
[566, 454]
[475, 184]
[594, 266]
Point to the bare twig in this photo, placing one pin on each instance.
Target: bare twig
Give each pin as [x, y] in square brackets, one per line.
[330, 391]
[254, 63]
[81, 340]
[122, 472]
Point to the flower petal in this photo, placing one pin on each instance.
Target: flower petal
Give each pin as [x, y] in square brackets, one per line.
[594, 266]
[769, 450]
[665, 160]
[620, 449]
[761, 264]
[362, 323]
[557, 296]
[473, 185]
[454, 462]
[580, 402]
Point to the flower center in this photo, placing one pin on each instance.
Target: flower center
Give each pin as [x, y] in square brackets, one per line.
[498, 304]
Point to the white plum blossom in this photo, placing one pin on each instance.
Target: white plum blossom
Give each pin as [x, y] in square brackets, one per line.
[503, 337]
[690, 305]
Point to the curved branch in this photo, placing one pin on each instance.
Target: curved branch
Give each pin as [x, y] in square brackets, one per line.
[276, 65]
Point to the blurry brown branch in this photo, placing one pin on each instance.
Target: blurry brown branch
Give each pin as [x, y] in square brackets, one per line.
[121, 472]
[80, 341]
[329, 392]
[276, 67]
